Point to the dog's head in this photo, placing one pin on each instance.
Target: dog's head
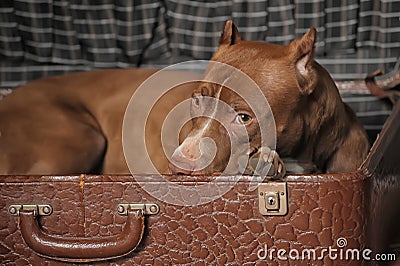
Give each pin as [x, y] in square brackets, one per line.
[222, 118]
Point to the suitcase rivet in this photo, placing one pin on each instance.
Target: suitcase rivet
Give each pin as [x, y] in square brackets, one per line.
[153, 208]
[46, 210]
[121, 209]
[13, 210]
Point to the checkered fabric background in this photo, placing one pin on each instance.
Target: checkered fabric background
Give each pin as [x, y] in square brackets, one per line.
[47, 37]
[355, 37]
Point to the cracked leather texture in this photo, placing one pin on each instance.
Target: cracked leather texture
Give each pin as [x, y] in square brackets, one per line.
[227, 231]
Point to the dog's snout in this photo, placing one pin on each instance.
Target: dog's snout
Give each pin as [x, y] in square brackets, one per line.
[190, 152]
[192, 156]
[182, 163]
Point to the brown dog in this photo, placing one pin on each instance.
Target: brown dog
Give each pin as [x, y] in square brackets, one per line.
[312, 122]
[72, 124]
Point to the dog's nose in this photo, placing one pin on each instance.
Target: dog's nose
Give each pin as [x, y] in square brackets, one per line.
[192, 157]
[181, 163]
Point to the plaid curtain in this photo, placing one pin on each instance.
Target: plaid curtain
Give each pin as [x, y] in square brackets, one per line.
[355, 37]
[47, 37]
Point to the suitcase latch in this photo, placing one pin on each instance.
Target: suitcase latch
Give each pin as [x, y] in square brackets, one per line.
[39, 209]
[272, 198]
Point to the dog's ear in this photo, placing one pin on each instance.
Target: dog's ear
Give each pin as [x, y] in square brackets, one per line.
[230, 34]
[303, 52]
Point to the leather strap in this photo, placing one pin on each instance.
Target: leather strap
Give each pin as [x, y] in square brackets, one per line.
[379, 92]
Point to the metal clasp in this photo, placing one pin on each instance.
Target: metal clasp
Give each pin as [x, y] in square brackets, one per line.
[148, 208]
[38, 209]
[272, 198]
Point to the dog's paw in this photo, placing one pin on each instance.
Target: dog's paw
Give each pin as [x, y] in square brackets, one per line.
[294, 166]
[267, 163]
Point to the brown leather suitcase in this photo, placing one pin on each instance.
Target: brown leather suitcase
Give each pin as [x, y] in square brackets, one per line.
[327, 219]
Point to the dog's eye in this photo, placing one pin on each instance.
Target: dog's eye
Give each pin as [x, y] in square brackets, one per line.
[243, 118]
[196, 101]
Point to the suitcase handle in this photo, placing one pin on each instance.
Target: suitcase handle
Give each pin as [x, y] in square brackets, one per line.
[81, 249]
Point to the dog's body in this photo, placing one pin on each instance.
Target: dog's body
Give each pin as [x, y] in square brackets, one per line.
[72, 124]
